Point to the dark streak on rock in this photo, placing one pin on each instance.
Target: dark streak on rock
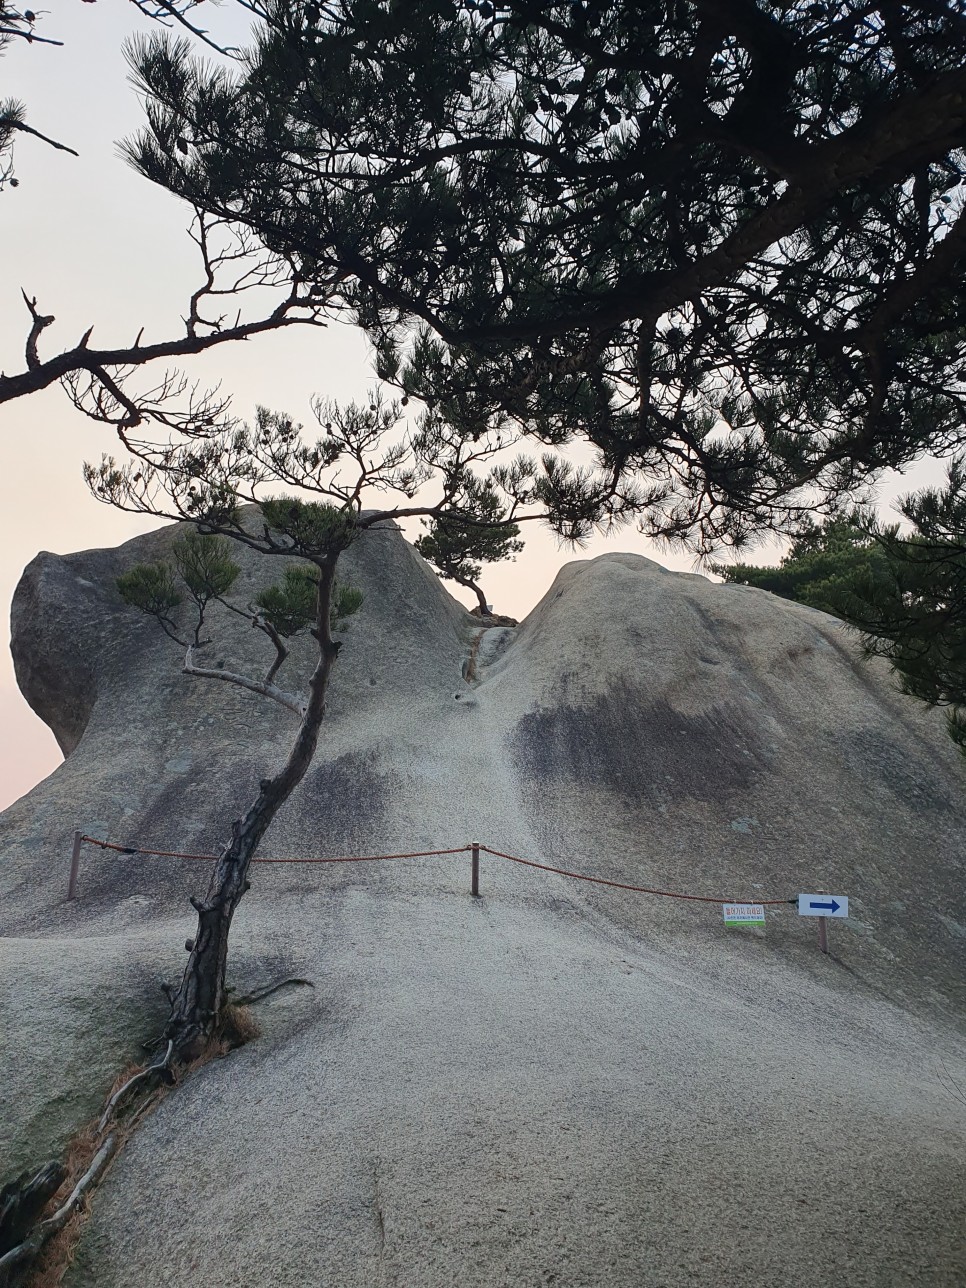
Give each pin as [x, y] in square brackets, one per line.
[881, 762]
[676, 756]
[348, 797]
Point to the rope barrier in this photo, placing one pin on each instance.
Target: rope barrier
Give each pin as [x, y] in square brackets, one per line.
[356, 858]
[622, 885]
[133, 849]
[370, 858]
[427, 854]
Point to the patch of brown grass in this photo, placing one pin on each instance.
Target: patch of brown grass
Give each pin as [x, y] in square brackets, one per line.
[237, 1027]
[470, 672]
[55, 1258]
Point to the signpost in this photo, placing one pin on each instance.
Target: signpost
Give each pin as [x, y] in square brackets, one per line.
[74, 865]
[823, 906]
[743, 914]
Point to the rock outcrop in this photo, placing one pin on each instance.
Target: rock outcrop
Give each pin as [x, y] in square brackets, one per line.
[560, 1083]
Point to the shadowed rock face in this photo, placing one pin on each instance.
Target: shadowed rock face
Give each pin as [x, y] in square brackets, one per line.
[570, 1079]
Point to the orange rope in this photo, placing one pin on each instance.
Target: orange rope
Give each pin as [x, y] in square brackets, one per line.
[363, 858]
[369, 858]
[427, 854]
[133, 849]
[622, 885]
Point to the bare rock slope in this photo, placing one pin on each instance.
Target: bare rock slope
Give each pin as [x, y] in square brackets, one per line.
[559, 1083]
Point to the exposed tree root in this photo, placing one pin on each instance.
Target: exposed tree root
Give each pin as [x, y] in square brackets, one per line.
[259, 993]
[159, 1069]
[23, 1199]
[45, 1230]
[42, 1258]
[46, 1248]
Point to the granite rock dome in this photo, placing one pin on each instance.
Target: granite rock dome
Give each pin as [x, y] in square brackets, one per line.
[560, 1083]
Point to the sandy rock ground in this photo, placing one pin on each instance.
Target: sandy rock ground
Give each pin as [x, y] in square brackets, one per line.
[506, 1093]
[557, 1083]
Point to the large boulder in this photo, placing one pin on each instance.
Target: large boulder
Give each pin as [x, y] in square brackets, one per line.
[560, 1083]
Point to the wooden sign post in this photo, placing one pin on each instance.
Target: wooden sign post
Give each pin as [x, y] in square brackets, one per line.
[74, 865]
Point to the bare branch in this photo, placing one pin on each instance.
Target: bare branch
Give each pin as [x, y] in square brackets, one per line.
[47, 373]
[159, 10]
[29, 35]
[289, 700]
[38, 324]
[232, 264]
[29, 129]
[281, 652]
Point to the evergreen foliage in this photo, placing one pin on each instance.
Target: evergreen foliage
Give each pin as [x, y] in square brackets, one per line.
[312, 527]
[206, 571]
[151, 588]
[822, 562]
[346, 602]
[205, 566]
[906, 594]
[916, 617]
[292, 604]
[459, 544]
[722, 240]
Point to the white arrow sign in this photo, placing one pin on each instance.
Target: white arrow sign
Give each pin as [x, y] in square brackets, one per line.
[823, 905]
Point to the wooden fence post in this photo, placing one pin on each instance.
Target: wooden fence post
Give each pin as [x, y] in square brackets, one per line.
[823, 934]
[475, 871]
[74, 865]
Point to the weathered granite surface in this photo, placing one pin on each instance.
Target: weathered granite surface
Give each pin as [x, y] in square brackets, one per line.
[560, 1083]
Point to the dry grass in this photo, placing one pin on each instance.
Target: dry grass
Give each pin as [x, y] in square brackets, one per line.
[470, 672]
[56, 1256]
[237, 1027]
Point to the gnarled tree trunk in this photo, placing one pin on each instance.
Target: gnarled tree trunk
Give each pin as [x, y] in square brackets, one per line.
[196, 1007]
[471, 585]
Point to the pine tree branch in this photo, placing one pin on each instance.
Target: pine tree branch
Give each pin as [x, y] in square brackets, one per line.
[288, 700]
[44, 374]
[29, 129]
[39, 322]
[29, 36]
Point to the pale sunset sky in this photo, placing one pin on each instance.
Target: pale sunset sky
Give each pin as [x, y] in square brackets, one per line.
[97, 244]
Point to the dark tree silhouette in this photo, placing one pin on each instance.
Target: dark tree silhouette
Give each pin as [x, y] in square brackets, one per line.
[904, 592]
[234, 267]
[459, 547]
[721, 239]
[18, 24]
[822, 562]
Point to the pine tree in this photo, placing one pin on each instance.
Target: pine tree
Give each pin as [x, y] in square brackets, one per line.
[822, 562]
[458, 547]
[722, 241]
[203, 480]
[905, 593]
